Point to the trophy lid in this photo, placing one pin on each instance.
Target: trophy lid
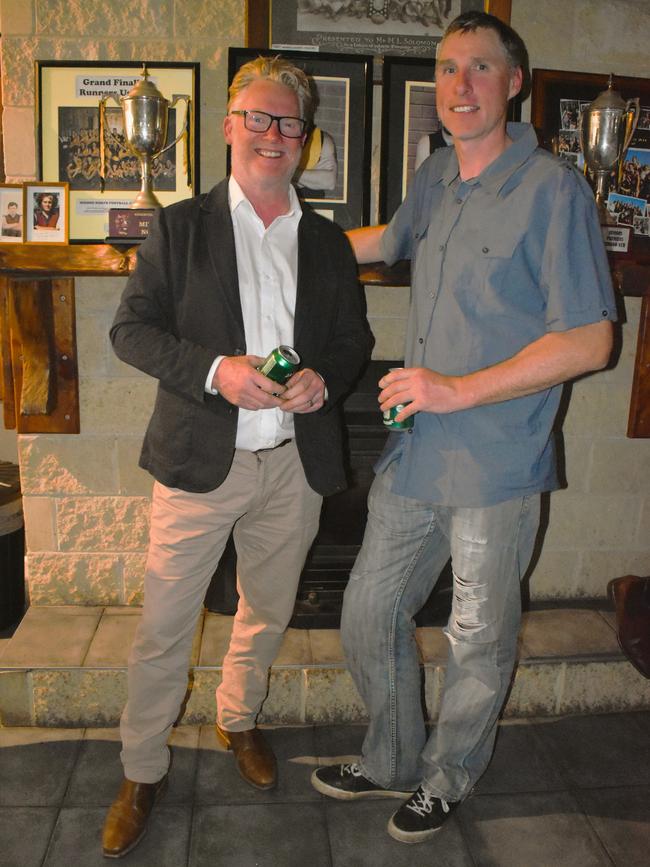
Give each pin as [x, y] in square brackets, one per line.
[145, 88]
[609, 98]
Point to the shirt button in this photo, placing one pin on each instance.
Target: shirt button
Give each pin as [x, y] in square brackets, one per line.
[486, 249]
[459, 201]
[605, 313]
[420, 339]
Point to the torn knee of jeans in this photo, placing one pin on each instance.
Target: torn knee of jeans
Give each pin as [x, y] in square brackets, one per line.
[467, 613]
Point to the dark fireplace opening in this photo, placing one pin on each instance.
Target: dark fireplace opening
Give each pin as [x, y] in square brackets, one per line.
[343, 519]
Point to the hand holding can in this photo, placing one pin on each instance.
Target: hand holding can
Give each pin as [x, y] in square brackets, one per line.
[390, 414]
[280, 364]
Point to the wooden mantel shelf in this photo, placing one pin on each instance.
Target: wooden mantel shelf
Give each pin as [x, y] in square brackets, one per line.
[66, 259]
[28, 264]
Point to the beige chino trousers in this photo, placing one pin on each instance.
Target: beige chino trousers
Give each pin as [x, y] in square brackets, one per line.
[274, 514]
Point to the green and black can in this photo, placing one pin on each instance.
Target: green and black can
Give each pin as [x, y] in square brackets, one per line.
[280, 364]
[389, 414]
[389, 418]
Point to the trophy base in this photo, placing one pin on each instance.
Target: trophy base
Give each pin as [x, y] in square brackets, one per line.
[129, 224]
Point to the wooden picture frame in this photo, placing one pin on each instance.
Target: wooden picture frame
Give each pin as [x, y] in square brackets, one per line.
[259, 20]
[558, 97]
[68, 94]
[344, 86]
[12, 214]
[46, 213]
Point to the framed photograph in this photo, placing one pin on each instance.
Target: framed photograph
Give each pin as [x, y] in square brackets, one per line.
[70, 149]
[557, 99]
[334, 174]
[408, 118]
[12, 223]
[46, 212]
[410, 127]
[378, 27]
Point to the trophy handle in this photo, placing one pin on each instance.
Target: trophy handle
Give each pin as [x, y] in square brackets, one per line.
[631, 107]
[102, 140]
[186, 135]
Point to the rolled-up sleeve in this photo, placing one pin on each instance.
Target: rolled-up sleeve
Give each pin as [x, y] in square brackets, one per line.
[575, 274]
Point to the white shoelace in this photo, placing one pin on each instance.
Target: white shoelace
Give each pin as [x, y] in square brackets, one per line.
[422, 803]
[352, 768]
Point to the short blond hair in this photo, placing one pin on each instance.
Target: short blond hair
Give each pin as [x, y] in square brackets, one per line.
[275, 69]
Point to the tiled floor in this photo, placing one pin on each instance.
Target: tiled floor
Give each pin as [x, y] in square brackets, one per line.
[572, 791]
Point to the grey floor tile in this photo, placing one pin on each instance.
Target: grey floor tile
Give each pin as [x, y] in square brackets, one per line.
[24, 835]
[339, 742]
[36, 774]
[260, 835]
[595, 751]
[543, 829]
[358, 838]
[519, 764]
[218, 781]
[621, 818]
[77, 839]
[98, 773]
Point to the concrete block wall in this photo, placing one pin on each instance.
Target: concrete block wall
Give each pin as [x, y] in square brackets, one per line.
[86, 502]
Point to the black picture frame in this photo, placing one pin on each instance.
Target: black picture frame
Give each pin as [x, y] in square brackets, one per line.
[66, 106]
[408, 113]
[344, 82]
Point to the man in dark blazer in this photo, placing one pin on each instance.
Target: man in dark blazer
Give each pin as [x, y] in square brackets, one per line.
[222, 280]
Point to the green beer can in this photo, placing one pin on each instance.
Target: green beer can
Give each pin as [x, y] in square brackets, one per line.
[280, 364]
[389, 414]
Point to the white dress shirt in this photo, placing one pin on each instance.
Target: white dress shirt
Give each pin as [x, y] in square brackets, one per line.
[267, 267]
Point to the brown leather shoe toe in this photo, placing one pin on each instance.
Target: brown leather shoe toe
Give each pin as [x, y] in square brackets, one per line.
[127, 818]
[255, 759]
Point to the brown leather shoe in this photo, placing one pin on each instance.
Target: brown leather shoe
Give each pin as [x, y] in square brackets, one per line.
[255, 760]
[127, 818]
[631, 597]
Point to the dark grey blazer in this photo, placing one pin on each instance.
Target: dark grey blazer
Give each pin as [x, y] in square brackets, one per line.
[181, 308]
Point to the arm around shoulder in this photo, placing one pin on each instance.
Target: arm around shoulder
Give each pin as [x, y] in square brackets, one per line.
[366, 243]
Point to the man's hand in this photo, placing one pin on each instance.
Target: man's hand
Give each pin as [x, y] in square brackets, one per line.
[241, 384]
[423, 390]
[305, 392]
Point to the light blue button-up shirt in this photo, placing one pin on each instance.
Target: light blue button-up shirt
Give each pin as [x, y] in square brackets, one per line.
[496, 263]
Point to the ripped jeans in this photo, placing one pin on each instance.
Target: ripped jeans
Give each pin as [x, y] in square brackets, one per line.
[406, 544]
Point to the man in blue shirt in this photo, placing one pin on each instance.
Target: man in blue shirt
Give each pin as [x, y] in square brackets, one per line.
[511, 297]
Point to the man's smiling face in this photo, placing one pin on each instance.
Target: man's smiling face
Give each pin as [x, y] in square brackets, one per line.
[474, 82]
[266, 160]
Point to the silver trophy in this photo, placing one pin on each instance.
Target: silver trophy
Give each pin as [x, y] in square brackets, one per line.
[606, 127]
[145, 112]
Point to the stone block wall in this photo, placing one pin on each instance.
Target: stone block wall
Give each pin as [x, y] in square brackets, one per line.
[86, 502]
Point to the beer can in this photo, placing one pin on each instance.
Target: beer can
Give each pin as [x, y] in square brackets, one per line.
[389, 414]
[280, 364]
[389, 418]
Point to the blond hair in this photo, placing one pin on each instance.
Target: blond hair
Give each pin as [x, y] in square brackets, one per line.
[275, 69]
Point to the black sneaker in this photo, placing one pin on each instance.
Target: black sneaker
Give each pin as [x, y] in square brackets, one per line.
[420, 817]
[347, 783]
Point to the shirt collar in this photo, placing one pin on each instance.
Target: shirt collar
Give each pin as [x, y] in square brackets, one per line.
[494, 176]
[236, 197]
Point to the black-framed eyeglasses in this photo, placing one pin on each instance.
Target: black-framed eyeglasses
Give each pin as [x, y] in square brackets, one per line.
[260, 121]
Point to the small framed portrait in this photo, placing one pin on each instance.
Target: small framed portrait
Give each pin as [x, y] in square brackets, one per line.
[12, 224]
[45, 209]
